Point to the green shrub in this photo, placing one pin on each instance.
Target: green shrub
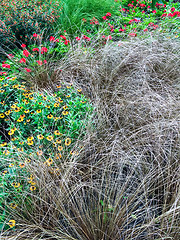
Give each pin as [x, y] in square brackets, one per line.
[20, 19]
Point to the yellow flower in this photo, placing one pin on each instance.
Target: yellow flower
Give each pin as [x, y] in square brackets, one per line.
[30, 143]
[45, 98]
[40, 103]
[65, 107]
[26, 111]
[11, 165]
[2, 115]
[40, 136]
[32, 183]
[49, 138]
[58, 99]
[7, 112]
[31, 98]
[39, 153]
[60, 148]
[49, 161]
[3, 144]
[32, 188]
[38, 111]
[21, 143]
[22, 165]
[65, 113]
[17, 109]
[49, 116]
[56, 118]
[68, 96]
[4, 172]
[58, 140]
[21, 119]
[58, 86]
[57, 132]
[56, 105]
[15, 184]
[11, 132]
[1, 91]
[67, 141]
[58, 155]
[6, 152]
[68, 86]
[12, 223]
[79, 90]
[83, 101]
[30, 138]
[13, 205]
[5, 85]
[20, 150]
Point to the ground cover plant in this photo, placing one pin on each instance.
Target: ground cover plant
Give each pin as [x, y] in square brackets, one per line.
[90, 127]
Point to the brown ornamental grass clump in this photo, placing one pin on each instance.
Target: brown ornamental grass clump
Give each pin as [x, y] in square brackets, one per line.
[124, 183]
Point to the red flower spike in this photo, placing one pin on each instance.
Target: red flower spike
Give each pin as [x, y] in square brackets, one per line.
[26, 53]
[52, 39]
[23, 60]
[35, 35]
[23, 45]
[35, 49]
[43, 49]
[63, 37]
[27, 69]
[39, 62]
[4, 65]
[108, 14]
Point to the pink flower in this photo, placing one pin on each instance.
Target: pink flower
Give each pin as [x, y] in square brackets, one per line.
[123, 9]
[145, 30]
[4, 65]
[78, 38]
[108, 14]
[63, 37]
[26, 53]
[57, 40]
[154, 11]
[172, 9]
[148, 6]
[43, 50]
[35, 49]
[133, 34]
[5, 73]
[34, 34]
[121, 30]
[143, 11]
[39, 62]
[45, 61]
[164, 15]
[164, 5]
[66, 42]
[27, 69]
[23, 45]
[52, 39]
[170, 15]
[108, 37]
[104, 18]
[10, 55]
[23, 60]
